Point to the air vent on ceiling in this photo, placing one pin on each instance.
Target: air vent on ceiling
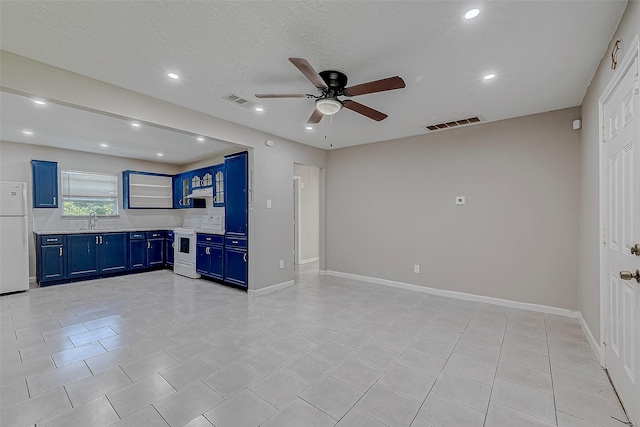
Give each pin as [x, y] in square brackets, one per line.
[238, 100]
[454, 123]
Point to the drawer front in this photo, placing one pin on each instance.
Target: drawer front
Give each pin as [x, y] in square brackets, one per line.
[234, 241]
[137, 236]
[213, 239]
[155, 234]
[51, 240]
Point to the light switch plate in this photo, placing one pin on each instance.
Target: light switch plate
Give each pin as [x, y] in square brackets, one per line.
[461, 200]
[281, 264]
[416, 268]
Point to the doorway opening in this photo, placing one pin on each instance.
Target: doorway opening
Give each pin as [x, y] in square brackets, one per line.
[306, 218]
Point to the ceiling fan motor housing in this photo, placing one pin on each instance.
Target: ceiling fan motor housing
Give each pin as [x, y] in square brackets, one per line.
[336, 81]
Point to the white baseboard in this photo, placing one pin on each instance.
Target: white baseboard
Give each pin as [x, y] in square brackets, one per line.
[309, 260]
[592, 340]
[269, 289]
[453, 294]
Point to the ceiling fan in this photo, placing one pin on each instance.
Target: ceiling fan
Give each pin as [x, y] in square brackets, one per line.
[332, 84]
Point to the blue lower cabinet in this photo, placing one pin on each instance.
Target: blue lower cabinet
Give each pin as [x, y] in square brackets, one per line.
[235, 261]
[169, 248]
[137, 251]
[155, 252]
[82, 255]
[113, 252]
[51, 257]
[209, 254]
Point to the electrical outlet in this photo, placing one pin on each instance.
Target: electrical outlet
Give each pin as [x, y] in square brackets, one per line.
[268, 203]
[281, 264]
[416, 268]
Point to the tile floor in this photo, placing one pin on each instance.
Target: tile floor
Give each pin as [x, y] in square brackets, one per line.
[156, 349]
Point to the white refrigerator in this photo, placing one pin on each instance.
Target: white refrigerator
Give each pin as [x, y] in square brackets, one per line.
[14, 244]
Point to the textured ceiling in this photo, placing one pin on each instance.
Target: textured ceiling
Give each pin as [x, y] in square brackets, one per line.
[544, 54]
[74, 129]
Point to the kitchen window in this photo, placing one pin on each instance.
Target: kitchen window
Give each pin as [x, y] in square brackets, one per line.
[86, 192]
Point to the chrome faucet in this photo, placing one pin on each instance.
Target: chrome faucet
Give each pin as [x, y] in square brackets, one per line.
[93, 219]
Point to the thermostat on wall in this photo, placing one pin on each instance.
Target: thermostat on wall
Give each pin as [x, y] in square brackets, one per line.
[461, 200]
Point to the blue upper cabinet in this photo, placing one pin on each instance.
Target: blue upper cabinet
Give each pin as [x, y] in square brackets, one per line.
[218, 185]
[181, 189]
[145, 190]
[235, 194]
[45, 184]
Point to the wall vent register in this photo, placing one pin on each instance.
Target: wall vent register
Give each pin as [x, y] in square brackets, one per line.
[454, 123]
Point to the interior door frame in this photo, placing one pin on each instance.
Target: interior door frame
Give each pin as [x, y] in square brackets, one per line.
[296, 219]
[631, 57]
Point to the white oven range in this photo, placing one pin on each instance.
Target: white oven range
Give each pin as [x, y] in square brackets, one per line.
[184, 262]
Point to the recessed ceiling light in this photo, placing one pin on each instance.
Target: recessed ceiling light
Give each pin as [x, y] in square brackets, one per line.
[160, 154]
[472, 13]
[200, 139]
[173, 76]
[309, 127]
[27, 132]
[104, 145]
[39, 102]
[135, 125]
[259, 109]
[489, 76]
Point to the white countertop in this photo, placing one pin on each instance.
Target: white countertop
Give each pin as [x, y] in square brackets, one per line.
[115, 230]
[126, 230]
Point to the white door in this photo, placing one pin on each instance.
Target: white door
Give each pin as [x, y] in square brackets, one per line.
[621, 127]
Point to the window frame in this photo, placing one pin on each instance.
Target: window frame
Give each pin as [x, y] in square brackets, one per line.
[65, 198]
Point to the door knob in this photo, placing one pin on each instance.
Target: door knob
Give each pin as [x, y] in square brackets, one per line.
[628, 275]
[635, 249]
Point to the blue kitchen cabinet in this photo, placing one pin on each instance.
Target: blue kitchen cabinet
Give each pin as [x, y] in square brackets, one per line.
[209, 255]
[218, 185]
[51, 258]
[113, 252]
[169, 248]
[181, 189]
[235, 261]
[155, 248]
[45, 184]
[235, 194]
[82, 255]
[137, 250]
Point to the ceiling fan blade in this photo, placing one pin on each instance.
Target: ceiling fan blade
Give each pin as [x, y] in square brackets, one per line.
[315, 117]
[364, 110]
[390, 83]
[309, 72]
[281, 95]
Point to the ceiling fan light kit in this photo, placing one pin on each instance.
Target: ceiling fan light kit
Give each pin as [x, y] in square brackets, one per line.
[328, 106]
[330, 85]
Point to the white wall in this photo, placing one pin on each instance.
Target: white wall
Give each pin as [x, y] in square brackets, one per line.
[391, 205]
[15, 165]
[309, 211]
[270, 231]
[589, 234]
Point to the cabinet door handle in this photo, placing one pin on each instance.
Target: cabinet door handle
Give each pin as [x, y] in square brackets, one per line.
[100, 239]
[148, 245]
[244, 257]
[207, 251]
[54, 200]
[173, 244]
[60, 252]
[96, 240]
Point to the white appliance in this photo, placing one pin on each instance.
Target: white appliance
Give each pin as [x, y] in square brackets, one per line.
[14, 231]
[184, 252]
